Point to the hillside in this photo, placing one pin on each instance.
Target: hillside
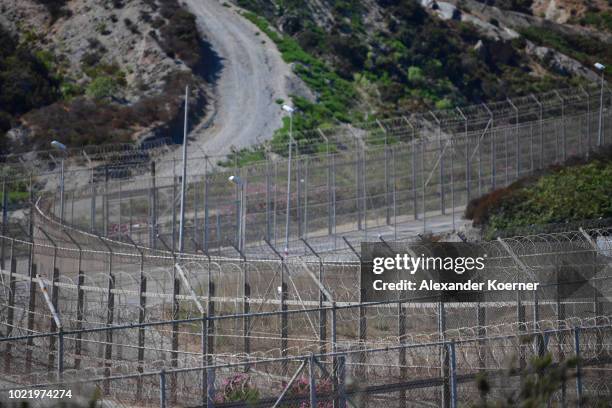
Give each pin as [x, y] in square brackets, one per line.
[102, 72]
[378, 58]
[576, 191]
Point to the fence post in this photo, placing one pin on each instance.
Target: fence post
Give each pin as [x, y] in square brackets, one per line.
[363, 322]
[493, 148]
[311, 381]
[387, 192]
[54, 300]
[92, 209]
[401, 332]
[283, 307]
[341, 370]
[466, 143]
[210, 386]
[203, 350]
[520, 318]
[423, 182]
[105, 201]
[162, 389]
[413, 148]
[357, 184]
[31, 313]
[60, 354]
[210, 325]
[110, 316]
[10, 312]
[481, 318]
[453, 374]
[206, 216]
[578, 371]
[4, 220]
[444, 355]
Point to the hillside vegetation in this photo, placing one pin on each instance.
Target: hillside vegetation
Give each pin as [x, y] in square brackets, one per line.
[25, 83]
[575, 192]
[373, 59]
[88, 72]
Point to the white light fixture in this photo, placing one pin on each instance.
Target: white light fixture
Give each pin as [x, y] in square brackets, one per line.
[599, 66]
[235, 179]
[59, 146]
[288, 108]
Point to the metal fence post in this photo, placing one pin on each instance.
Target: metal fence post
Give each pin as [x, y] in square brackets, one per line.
[312, 382]
[105, 212]
[31, 313]
[453, 374]
[210, 381]
[413, 148]
[444, 355]
[10, 312]
[162, 389]
[205, 245]
[341, 391]
[4, 220]
[578, 370]
[110, 316]
[401, 332]
[60, 354]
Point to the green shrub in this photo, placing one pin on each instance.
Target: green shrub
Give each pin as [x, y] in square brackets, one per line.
[600, 19]
[102, 87]
[562, 194]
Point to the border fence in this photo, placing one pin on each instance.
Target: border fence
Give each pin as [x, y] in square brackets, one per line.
[393, 178]
[95, 294]
[128, 318]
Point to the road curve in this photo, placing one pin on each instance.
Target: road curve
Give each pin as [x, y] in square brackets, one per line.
[252, 77]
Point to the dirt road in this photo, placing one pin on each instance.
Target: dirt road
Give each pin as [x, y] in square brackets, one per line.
[252, 77]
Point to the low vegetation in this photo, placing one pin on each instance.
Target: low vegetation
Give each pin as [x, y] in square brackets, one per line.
[575, 192]
[55, 7]
[406, 61]
[601, 20]
[90, 120]
[179, 32]
[584, 49]
[539, 383]
[26, 83]
[43, 92]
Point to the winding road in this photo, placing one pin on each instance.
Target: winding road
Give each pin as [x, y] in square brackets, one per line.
[252, 77]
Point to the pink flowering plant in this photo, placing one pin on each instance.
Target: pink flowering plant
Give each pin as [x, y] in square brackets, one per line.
[301, 388]
[236, 388]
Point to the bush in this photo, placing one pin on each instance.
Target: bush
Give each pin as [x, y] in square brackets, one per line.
[83, 121]
[102, 87]
[301, 388]
[576, 192]
[55, 7]
[237, 388]
[180, 34]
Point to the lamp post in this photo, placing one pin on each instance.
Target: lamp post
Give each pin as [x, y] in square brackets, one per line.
[290, 110]
[62, 148]
[241, 210]
[184, 176]
[601, 68]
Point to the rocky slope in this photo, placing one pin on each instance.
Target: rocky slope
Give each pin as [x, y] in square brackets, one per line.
[401, 55]
[119, 66]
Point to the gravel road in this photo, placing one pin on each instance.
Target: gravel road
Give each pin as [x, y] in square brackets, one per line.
[252, 77]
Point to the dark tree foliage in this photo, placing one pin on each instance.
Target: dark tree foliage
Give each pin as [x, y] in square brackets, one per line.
[180, 34]
[25, 83]
[83, 121]
[55, 7]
